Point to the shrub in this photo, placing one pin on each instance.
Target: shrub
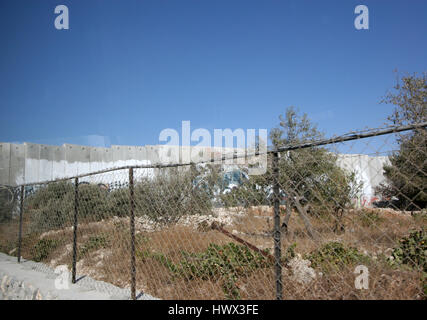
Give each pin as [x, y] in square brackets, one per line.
[334, 256]
[92, 244]
[118, 203]
[44, 248]
[226, 262]
[252, 192]
[93, 203]
[289, 253]
[54, 215]
[369, 218]
[420, 216]
[8, 202]
[170, 195]
[405, 174]
[9, 247]
[51, 206]
[164, 199]
[41, 197]
[412, 250]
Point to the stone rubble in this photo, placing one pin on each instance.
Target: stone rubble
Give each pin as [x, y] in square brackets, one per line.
[301, 271]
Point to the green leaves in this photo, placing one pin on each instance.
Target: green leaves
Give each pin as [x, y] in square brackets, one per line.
[406, 175]
[43, 249]
[226, 262]
[170, 195]
[333, 256]
[92, 244]
[369, 218]
[410, 99]
[412, 251]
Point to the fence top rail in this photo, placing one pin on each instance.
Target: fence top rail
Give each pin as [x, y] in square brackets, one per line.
[343, 138]
[354, 136]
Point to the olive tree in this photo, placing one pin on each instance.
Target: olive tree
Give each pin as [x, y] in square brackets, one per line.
[310, 177]
[407, 172]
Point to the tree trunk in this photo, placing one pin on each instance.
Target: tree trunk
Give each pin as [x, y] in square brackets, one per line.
[285, 223]
[303, 214]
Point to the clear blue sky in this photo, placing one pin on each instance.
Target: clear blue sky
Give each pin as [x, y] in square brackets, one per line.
[128, 69]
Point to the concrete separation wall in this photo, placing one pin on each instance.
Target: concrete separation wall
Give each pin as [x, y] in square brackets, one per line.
[30, 163]
[368, 170]
[35, 281]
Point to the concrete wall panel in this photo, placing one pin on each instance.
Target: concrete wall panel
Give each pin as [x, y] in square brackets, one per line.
[100, 159]
[46, 163]
[4, 163]
[32, 162]
[153, 154]
[59, 163]
[77, 159]
[169, 154]
[17, 164]
[29, 163]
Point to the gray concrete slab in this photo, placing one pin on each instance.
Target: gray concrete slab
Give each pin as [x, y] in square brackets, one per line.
[32, 162]
[78, 160]
[46, 163]
[4, 163]
[100, 158]
[44, 284]
[17, 164]
[153, 154]
[59, 161]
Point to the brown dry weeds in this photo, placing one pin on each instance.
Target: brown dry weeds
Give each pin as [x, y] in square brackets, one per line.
[110, 262]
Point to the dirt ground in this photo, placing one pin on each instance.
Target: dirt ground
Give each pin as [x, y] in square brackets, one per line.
[104, 253]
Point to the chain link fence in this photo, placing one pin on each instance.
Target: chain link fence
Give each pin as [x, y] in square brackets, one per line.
[342, 218]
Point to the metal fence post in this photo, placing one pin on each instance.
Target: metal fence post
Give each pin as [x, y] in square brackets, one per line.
[76, 211]
[277, 232]
[132, 236]
[21, 212]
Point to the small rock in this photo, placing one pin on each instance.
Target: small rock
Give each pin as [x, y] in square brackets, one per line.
[301, 270]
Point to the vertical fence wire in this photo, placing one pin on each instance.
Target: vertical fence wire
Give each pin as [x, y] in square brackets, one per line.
[21, 212]
[277, 234]
[76, 211]
[132, 235]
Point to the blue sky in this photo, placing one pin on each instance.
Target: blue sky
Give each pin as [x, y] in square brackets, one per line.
[125, 70]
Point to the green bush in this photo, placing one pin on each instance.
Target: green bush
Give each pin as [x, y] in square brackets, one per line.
[334, 256]
[50, 207]
[8, 246]
[289, 254]
[252, 192]
[92, 244]
[420, 217]
[226, 262]
[8, 202]
[163, 199]
[412, 250]
[56, 214]
[170, 195]
[44, 248]
[369, 218]
[52, 191]
[118, 203]
[93, 202]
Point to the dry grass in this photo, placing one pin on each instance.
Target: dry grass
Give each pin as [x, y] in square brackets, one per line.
[107, 255]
